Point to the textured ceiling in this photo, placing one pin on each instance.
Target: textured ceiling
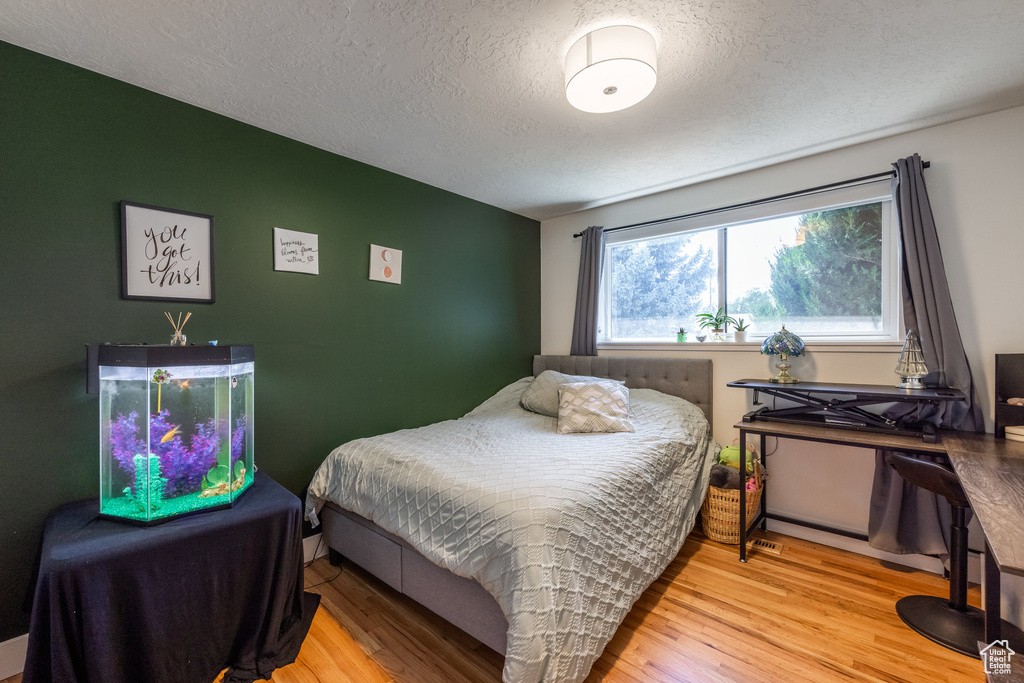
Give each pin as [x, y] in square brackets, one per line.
[467, 95]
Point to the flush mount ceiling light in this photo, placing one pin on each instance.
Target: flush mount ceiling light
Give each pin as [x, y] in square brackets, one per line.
[610, 69]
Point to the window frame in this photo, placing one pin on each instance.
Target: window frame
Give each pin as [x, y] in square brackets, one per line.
[851, 195]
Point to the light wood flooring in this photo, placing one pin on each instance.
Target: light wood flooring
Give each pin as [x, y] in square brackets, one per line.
[812, 613]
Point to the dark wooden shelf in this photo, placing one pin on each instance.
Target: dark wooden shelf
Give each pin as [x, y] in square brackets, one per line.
[844, 437]
[837, 405]
[879, 391]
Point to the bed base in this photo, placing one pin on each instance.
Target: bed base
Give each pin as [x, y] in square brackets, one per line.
[461, 601]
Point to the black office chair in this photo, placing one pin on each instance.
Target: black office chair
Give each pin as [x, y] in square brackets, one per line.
[951, 623]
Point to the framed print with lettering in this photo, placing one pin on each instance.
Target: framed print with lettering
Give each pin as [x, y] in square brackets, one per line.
[166, 254]
[298, 252]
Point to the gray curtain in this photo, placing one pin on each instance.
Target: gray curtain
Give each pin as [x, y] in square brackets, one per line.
[904, 518]
[584, 325]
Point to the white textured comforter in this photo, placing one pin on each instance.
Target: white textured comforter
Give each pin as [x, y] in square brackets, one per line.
[565, 531]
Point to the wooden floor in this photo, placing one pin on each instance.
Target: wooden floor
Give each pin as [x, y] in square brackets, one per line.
[812, 613]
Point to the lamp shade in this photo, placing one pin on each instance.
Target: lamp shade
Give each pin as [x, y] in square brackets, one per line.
[610, 69]
[782, 343]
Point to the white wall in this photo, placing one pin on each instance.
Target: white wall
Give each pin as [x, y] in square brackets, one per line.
[976, 186]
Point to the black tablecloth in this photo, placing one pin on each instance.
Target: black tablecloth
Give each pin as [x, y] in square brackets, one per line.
[173, 603]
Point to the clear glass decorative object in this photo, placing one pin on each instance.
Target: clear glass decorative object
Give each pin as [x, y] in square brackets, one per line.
[911, 367]
[178, 338]
[176, 429]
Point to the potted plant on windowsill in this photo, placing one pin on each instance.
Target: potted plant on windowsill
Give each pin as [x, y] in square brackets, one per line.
[681, 335]
[716, 322]
[741, 330]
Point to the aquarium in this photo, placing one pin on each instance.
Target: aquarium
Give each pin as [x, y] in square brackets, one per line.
[176, 429]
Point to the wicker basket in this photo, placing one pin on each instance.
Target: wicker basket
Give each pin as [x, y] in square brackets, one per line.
[720, 513]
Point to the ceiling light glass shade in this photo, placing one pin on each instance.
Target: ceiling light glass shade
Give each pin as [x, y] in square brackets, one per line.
[610, 69]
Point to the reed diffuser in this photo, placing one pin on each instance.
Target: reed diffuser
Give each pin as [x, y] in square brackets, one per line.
[178, 338]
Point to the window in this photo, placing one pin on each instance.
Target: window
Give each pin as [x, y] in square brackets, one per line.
[823, 264]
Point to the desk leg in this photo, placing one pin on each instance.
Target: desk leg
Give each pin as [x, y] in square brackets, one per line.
[764, 487]
[743, 496]
[993, 608]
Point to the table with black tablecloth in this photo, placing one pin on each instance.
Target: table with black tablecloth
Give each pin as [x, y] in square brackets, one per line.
[174, 603]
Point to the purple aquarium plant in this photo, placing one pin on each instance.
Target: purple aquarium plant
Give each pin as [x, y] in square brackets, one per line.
[183, 467]
[238, 439]
[125, 442]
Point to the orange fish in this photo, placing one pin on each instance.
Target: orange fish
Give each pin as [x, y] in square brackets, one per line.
[184, 383]
[170, 435]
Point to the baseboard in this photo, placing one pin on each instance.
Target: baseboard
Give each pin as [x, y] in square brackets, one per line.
[922, 562]
[312, 548]
[12, 656]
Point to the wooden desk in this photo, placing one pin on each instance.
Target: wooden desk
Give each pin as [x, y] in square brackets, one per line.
[803, 432]
[991, 471]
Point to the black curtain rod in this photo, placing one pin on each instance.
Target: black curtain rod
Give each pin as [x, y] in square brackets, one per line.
[742, 205]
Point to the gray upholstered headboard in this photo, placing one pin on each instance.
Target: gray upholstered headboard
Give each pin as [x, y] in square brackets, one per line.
[682, 377]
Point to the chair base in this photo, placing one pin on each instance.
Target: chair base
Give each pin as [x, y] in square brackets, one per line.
[960, 631]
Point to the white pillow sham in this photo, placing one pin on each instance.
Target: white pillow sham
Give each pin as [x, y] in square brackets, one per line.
[593, 407]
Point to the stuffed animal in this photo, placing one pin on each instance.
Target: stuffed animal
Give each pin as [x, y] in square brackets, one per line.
[730, 455]
[725, 477]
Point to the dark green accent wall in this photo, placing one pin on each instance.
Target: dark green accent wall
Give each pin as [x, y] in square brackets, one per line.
[337, 356]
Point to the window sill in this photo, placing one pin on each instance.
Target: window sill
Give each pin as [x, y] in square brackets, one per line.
[753, 346]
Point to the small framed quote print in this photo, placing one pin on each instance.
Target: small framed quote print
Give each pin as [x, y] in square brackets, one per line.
[298, 252]
[166, 254]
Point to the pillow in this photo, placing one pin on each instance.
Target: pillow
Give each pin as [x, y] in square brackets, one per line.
[542, 394]
[586, 407]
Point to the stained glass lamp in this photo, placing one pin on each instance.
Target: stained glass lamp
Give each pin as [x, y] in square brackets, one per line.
[783, 344]
[911, 367]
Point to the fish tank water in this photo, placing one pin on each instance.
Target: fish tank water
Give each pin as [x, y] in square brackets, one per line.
[176, 429]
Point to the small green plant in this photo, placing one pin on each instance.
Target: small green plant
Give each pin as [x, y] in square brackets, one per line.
[149, 485]
[740, 325]
[682, 330]
[715, 321]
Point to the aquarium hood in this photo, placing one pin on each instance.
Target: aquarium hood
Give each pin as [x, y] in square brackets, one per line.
[144, 356]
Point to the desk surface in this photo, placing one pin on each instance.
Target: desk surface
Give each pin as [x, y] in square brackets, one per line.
[174, 603]
[992, 473]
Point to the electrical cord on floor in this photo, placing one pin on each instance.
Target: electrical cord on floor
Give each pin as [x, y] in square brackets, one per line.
[315, 585]
[315, 551]
[307, 564]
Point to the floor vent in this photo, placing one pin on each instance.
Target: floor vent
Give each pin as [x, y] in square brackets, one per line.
[773, 547]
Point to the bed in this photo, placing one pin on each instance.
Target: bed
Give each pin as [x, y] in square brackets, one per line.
[535, 543]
